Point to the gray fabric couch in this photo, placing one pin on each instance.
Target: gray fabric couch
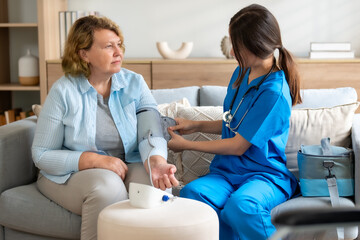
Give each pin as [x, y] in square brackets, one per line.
[26, 214]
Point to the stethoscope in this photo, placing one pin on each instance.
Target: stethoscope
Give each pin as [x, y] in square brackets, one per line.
[228, 117]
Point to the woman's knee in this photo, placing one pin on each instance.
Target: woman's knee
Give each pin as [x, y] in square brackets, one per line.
[106, 187]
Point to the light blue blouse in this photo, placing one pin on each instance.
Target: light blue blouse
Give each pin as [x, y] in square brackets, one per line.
[66, 126]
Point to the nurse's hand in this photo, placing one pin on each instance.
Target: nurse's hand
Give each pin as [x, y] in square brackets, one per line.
[177, 143]
[185, 126]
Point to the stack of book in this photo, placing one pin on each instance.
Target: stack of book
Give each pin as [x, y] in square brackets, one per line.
[331, 50]
[13, 115]
[66, 20]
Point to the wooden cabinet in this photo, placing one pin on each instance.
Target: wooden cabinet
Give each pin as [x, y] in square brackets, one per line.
[330, 74]
[160, 73]
[47, 43]
[198, 72]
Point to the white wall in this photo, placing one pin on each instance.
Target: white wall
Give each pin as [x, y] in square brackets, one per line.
[205, 22]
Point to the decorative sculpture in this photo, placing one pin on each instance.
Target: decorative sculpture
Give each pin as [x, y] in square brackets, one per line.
[226, 47]
[167, 53]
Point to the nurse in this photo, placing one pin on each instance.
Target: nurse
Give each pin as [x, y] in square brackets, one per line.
[248, 176]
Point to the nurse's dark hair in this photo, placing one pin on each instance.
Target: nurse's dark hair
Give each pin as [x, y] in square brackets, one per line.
[257, 30]
[81, 37]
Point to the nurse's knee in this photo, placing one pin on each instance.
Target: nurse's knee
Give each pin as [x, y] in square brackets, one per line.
[190, 191]
[240, 209]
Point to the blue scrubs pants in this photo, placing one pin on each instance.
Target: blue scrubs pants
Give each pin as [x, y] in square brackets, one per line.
[243, 209]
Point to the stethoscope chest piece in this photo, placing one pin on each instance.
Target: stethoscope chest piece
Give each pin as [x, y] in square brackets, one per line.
[227, 117]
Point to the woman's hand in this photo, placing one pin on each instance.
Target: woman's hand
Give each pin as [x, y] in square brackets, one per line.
[94, 160]
[162, 173]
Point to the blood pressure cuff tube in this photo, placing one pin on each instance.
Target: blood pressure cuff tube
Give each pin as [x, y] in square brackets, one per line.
[149, 121]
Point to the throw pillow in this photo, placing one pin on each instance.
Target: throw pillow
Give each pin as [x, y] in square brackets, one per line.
[193, 163]
[36, 109]
[170, 110]
[309, 126]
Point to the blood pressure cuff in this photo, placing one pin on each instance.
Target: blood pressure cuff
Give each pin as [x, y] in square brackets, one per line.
[152, 133]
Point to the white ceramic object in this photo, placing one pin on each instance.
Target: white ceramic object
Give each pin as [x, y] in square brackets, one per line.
[29, 69]
[226, 47]
[167, 53]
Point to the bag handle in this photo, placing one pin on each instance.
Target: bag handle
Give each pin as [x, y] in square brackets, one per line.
[326, 147]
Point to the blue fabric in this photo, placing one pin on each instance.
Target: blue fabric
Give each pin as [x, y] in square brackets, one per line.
[66, 125]
[243, 209]
[319, 187]
[244, 189]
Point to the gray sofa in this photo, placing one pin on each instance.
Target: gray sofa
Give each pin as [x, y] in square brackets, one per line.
[26, 214]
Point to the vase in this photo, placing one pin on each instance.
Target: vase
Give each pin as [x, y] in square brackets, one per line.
[226, 47]
[167, 53]
[29, 69]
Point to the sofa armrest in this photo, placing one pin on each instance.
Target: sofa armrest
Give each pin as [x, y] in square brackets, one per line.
[16, 165]
[355, 138]
[302, 220]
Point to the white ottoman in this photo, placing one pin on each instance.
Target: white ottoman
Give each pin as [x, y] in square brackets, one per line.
[180, 219]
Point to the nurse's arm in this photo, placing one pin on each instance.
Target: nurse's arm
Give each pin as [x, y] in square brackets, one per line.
[186, 126]
[229, 146]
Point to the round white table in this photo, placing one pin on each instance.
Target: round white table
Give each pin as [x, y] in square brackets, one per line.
[178, 219]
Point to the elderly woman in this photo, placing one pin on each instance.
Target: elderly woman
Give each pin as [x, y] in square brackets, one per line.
[86, 140]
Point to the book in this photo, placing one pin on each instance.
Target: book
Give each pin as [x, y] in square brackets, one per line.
[22, 115]
[74, 16]
[330, 46]
[2, 119]
[62, 32]
[68, 22]
[10, 116]
[332, 54]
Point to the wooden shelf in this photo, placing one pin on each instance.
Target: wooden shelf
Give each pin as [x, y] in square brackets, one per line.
[18, 87]
[47, 27]
[20, 25]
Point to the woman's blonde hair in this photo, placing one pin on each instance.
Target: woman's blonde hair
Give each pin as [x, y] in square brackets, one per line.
[81, 37]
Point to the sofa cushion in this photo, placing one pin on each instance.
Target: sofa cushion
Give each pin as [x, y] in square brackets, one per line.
[13, 234]
[308, 202]
[212, 95]
[320, 98]
[192, 164]
[175, 94]
[25, 209]
[309, 126]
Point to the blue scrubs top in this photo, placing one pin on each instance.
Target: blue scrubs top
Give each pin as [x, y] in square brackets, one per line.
[265, 126]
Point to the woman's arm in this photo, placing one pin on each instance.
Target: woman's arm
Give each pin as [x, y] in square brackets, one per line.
[47, 149]
[230, 146]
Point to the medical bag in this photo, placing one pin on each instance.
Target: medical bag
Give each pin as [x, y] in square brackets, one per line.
[326, 170]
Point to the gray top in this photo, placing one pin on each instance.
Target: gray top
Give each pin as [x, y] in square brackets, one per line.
[107, 136]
